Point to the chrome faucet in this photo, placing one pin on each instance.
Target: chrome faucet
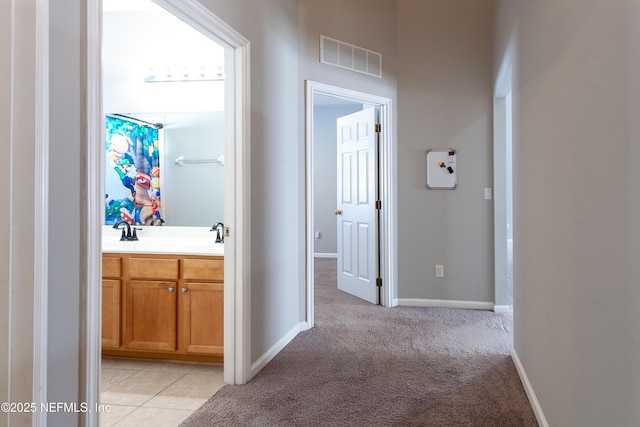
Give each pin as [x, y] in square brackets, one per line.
[157, 221]
[127, 234]
[219, 228]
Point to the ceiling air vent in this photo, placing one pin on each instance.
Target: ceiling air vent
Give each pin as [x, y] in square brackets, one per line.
[345, 55]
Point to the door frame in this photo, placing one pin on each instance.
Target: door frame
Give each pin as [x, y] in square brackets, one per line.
[237, 365]
[387, 174]
[501, 124]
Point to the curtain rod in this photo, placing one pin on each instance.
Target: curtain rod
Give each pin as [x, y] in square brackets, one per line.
[133, 119]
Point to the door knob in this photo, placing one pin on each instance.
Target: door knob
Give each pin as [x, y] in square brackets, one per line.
[170, 289]
[338, 212]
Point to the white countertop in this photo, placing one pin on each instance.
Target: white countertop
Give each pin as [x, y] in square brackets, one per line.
[164, 240]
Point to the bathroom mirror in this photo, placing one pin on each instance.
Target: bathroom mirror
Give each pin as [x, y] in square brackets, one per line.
[164, 169]
[163, 98]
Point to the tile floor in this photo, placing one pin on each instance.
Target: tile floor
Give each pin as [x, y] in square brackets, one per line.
[158, 393]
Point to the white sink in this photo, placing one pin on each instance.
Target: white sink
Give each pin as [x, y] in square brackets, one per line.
[185, 243]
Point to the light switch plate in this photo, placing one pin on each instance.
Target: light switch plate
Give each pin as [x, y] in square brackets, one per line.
[439, 270]
[487, 194]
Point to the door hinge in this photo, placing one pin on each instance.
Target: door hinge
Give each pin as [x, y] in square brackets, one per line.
[379, 282]
[378, 204]
[378, 128]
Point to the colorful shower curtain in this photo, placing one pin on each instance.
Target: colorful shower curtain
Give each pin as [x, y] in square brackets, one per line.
[132, 173]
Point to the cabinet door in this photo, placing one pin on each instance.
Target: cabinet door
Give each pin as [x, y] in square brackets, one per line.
[201, 318]
[150, 315]
[110, 313]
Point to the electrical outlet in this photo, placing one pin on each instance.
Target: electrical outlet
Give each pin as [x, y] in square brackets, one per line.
[439, 270]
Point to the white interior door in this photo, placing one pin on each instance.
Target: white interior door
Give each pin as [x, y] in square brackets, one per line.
[356, 205]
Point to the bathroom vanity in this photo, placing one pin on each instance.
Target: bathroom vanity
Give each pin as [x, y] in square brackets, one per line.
[163, 298]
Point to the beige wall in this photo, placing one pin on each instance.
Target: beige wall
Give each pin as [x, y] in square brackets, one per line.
[277, 173]
[17, 133]
[444, 51]
[576, 203]
[5, 194]
[437, 71]
[369, 24]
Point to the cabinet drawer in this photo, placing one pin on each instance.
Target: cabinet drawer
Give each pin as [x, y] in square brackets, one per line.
[154, 268]
[204, 269]
[111, 267]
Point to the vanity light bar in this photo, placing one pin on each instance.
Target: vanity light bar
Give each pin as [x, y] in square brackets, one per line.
[170, 75]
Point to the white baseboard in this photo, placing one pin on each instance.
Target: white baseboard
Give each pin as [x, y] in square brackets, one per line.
[323, 255]
[418, 302]
[276, 348]
[537, 409]
[503, 309]
[304, 326]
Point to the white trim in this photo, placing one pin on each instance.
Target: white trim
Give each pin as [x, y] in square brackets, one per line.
[387, 177]
[277, 347]
[91, 232]
[388, 214]
[502, 309]
[309, 288]
[500, 198]
[500, 127]
[41, 224]
[504, 82]
[441, 303]
[533, 400]
[324, 255]
[238, 324]
[204, 20]
[304, 326]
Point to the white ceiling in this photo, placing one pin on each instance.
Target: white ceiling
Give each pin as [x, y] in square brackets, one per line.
[122, 5]
[139, 39]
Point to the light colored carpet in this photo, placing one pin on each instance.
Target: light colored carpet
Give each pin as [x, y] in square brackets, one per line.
[366, 365]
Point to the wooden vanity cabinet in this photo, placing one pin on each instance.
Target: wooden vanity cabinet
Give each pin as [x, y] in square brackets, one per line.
[172, 307]
[202, 305]
[111, 286]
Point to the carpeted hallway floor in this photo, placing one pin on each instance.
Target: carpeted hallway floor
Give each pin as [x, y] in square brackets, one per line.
[366, 365]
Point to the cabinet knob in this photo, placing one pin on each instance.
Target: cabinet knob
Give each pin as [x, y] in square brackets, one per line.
[183, 290]
[170, 289]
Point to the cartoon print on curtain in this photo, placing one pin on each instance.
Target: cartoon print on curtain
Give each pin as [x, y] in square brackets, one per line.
[132, 173]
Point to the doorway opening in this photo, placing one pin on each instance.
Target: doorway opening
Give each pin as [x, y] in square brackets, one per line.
[236, 192]
[503, 204]
[324, 105]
